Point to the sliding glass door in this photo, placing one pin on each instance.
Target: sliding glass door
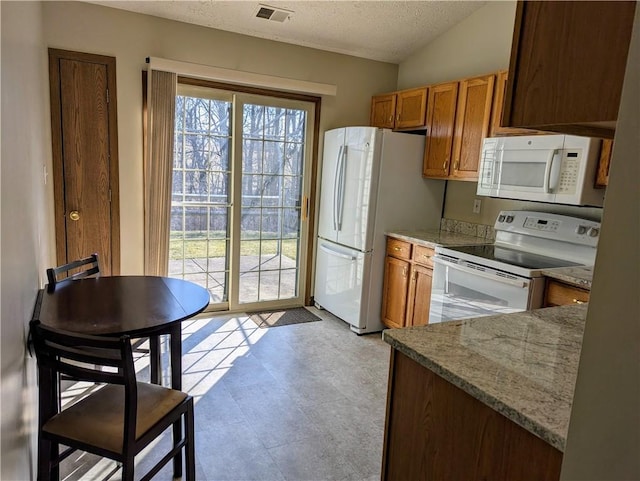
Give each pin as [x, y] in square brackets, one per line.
[240, 188]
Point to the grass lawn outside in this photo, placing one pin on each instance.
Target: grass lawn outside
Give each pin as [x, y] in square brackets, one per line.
[195, 245]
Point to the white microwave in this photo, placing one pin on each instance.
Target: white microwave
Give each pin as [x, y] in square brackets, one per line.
[559, 169]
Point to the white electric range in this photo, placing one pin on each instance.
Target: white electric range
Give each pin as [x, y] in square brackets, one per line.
[506, 276]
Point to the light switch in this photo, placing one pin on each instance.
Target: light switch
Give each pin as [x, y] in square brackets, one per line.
[476, 206]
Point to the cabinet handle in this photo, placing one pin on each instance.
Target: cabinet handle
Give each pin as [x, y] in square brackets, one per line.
[390, 118]
[397, 248]
[413, 276]
[426, 256]
[444, 166]
[576, 301]
[404, 272]
[455, 165]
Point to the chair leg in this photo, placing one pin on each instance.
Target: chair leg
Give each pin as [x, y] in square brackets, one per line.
[47, 455]
[154, 360]
[190, 451]
[128, 468]
[177, 459]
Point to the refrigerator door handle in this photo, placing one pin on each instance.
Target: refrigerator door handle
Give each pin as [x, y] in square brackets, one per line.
[341, 185]
[336, 192]
[336, 253]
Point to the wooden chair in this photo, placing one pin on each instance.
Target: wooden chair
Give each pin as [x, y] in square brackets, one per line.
[89, 266]
[117, 421]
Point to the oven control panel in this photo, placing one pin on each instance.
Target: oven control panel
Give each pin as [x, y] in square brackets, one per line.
[542, 224]
[548, 226]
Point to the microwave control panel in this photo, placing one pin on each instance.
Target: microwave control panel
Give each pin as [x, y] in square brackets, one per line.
[569, 172]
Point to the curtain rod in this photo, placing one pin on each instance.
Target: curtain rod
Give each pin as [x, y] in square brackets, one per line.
[240, 77]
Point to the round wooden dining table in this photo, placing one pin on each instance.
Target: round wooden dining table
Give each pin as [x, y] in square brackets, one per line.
[137, 306]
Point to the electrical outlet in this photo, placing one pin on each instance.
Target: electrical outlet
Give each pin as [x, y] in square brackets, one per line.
[476, 206]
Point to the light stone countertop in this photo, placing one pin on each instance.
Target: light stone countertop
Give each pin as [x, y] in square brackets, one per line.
[576, 276]
[523, 365]
[433, 238]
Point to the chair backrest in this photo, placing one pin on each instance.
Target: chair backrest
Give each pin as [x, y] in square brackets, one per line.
[95, 359]
[78, 269]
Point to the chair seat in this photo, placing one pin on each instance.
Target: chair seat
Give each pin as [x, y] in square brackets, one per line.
[103, 412]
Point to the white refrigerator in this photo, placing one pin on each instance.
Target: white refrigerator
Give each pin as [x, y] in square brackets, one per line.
[371, 184]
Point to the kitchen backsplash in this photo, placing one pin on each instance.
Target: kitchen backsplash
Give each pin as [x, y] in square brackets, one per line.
[467, 228]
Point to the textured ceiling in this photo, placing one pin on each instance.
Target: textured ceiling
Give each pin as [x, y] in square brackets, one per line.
[388, 31]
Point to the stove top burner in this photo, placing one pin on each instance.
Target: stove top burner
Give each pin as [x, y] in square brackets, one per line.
[513, 257]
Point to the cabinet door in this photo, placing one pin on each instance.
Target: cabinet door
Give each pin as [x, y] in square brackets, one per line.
[472, 125]
[496, 128]
[383, 111]
[411, 108]
[419, 298]
[394, 292]
[604, 162]
[568, 61]
[441, 114]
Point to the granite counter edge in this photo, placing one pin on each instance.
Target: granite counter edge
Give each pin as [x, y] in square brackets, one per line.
[553, 438]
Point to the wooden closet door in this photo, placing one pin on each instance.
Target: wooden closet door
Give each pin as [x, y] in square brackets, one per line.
[85, 163]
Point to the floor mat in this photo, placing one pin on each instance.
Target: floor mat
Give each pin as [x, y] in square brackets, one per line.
[282, 317]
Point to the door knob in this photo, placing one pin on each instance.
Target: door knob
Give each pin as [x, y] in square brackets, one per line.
[74, 215]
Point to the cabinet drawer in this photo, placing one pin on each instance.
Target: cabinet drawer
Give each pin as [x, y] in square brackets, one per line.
[399, 249]
[560, 294]
[423, 255]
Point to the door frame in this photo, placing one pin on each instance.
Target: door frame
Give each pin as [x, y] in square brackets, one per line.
[311, 208]
[55, 55]
[306, 221]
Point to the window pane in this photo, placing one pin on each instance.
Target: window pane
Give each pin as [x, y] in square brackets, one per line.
[274, 123]
[293, 159]
[252, 156]
[296, 125]
[273, 158]
[219, 154]
[253, 121]
[250, 223]
[292, 191]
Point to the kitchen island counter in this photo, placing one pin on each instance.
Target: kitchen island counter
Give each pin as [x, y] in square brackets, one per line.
[522, 365]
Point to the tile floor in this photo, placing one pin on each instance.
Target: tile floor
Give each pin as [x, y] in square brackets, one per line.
[299, 402]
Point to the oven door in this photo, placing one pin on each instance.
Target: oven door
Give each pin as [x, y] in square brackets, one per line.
[462, 289]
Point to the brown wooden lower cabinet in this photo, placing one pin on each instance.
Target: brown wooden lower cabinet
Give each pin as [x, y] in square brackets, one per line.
[419, 298]
[394, 300]
[406, 291]
[435, 431]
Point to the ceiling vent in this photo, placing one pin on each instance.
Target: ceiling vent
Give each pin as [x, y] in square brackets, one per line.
[273, 13]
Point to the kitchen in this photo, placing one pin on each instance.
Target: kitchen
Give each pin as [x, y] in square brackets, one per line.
[490, 55]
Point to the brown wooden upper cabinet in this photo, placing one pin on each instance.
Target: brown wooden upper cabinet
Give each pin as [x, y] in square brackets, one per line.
[383, 111]
[458, 116]
[402, 110]
[496, 129]
[441, 117]
[567, 66]
[472, 125]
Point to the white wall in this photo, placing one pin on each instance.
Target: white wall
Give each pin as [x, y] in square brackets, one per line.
[478, 45]
[132, 37]
[604, 432]
[26, 241]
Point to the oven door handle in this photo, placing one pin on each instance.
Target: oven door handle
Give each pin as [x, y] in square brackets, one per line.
[511, 282]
